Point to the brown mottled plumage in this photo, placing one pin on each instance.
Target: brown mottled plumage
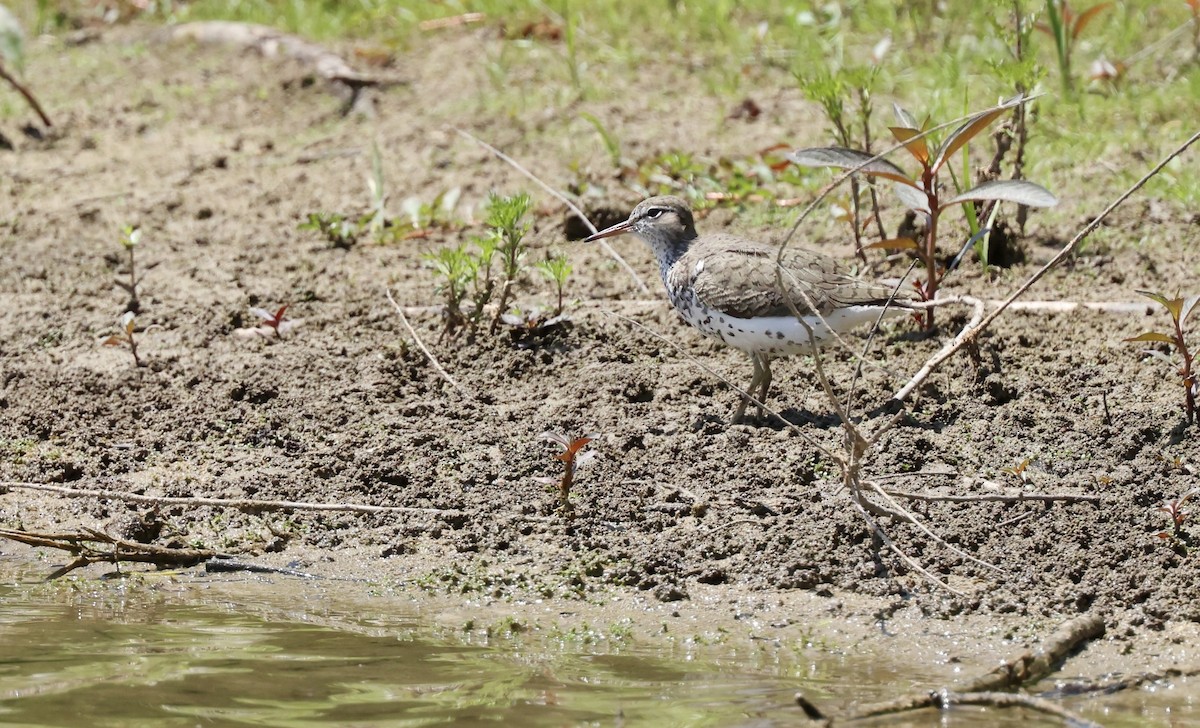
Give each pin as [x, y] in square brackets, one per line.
[729, 288]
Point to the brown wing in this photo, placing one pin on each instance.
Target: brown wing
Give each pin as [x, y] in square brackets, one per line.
[738, 277]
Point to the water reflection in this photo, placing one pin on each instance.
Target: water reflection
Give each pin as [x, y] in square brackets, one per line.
[174, 652]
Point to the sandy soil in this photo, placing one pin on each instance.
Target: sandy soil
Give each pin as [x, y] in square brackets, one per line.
[219, 155]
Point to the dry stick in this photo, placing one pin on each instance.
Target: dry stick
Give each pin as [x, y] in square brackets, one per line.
[561, 198]
[1014, 700]
[1027, 667]
[1019, 498]
[428, 354]
[969, 333]
[78, 544]
[241, 504]
[29, 97]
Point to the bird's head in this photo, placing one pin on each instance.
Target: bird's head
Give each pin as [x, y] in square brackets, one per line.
[664, 220]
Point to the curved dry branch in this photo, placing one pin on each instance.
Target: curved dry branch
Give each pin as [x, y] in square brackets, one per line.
[1026, 668]
[26, 93]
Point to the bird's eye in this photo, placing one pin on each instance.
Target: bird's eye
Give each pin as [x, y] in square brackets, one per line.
[654, 213]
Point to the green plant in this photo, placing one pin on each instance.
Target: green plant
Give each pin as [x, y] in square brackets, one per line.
[455, 271]
[1021, 72]
[130, 238]
[504, 217]
[124, 336]
[922, 193]
[1180, 309]
[556, 269]
[377, 219]
[338, 231]
[830, 90]
[572, 458]
[1064, 27]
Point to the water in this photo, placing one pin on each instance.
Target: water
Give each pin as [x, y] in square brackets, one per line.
[195, 651]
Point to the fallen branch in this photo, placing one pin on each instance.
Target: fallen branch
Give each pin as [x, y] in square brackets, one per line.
[90, 546]
[420, 344]
[270, 43]
[26, 93]
[1026, 668]
[1018, 498]
[242, 504]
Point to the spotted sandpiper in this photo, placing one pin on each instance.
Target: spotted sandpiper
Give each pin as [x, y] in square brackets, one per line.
[727, 288]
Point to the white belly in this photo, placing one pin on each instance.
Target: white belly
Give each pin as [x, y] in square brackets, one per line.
[774, 335]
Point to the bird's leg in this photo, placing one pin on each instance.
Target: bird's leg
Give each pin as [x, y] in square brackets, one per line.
[764, 381]
[754, 382]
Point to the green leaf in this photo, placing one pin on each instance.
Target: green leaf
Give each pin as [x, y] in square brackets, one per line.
[843, 158]
[1008, 190]
[1152, 336]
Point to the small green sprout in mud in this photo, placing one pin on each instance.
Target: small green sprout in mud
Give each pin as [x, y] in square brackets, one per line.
[1178, 515]
[571, 457]
[556, 269]
[338, 231]
[505, 218]
[124, 337]
[1180, 309]
[922, 193]
[131, 238]
[274, 325]
[465, 271]
[1065, 27]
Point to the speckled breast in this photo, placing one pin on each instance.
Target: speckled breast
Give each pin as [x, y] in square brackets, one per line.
[774, 335]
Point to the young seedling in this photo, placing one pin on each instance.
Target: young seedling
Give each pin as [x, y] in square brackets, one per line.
[504, 217]
[454, 270]
[556, 268]
[274, 325]
[1020, 471]
[1180, 309]
[124, 336]
[571, 458]
[1064, 27]
[1178, 515]
[130, 238]
[922, 193]
[831, 90]
[338, 231]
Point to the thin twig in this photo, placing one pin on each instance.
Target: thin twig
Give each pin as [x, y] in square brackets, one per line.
[241, 504]
[1018, 498]
[29, 97]
[971, 332]
[428, 354]
[561, 198]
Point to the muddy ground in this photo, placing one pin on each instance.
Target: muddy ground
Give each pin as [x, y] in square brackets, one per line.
[219, 155]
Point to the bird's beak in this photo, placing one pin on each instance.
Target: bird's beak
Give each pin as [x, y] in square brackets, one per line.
[608, 232]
